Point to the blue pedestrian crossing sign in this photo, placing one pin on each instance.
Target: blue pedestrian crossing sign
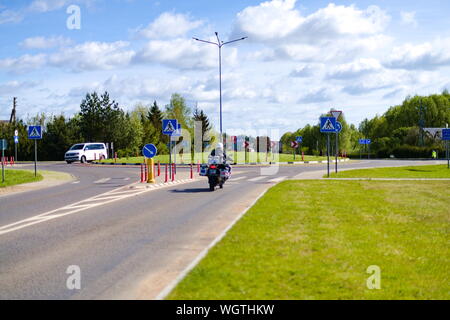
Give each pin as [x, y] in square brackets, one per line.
[299, 139]
[35, 132]
[338, 127]
[446, 134]
[169, 126]
[16, 139]
[149, 151]
[328, 124]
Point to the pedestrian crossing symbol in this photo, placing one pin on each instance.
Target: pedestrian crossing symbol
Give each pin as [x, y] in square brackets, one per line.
[327, 124]
[169, 126]
[35, 132]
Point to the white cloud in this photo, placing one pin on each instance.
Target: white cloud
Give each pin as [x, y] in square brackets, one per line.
[47, 5]
[10, 16]
[15, 86]
[317, 95]
[305, 71]
[23, 63]
[269, 20]
[408, 18]
[93, 56]
[183, 54]
[425, 56]
[279, 20]
[45, 43]
[170, 25]
[355, 69]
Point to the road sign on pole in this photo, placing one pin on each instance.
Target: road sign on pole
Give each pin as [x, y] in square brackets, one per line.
[446, 138]
[299, 139]
[328, 124]
[336, 114]
[35, 133]
[169, 126]
[149, 151]
[338, 127]
[3, 146]
[294, 144]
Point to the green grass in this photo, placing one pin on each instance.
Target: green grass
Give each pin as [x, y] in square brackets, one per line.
[434, 171]
[316, 239]
[238, 157]
[14, 177]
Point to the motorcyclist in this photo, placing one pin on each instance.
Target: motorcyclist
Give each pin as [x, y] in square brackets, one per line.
[220, 152]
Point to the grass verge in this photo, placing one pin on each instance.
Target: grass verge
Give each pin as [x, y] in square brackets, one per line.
[15, 177]
[316, 239]
[433, 171]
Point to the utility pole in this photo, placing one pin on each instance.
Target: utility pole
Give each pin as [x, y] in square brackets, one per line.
[12, 119]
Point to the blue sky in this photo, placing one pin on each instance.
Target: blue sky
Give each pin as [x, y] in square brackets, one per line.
[301, 57]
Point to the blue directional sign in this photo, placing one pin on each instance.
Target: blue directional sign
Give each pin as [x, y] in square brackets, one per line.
[35, 132]
[445, 134]
[16, 139]
[169, 126]
[299, 139]
[365, 141]
[328, 124]
[149, 151]
[338, 127]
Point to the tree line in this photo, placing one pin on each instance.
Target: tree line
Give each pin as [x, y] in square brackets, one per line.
[102, 119]
[399, 132]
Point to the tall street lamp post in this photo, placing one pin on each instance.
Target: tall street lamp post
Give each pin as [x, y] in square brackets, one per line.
[220, 44]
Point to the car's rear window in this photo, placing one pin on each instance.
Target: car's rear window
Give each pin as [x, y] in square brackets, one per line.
[77, 147]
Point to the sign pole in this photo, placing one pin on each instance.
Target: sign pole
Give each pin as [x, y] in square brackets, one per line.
[448, 156]
[328, 154]
[368, 151]
[337, 150]
[3, 164]
[35, 158]
[15, 152]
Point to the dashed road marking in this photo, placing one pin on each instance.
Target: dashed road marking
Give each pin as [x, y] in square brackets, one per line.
[102, 180]
[256, 179]
[98, 200]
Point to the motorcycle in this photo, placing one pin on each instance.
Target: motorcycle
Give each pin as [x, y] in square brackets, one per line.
[216, 171]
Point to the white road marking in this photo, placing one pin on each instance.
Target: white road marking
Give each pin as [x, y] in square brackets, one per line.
[102, 180]
[256, 179]
[279, 179]
[75, 182]
[126, 179]
[102, 199]
[237, 179]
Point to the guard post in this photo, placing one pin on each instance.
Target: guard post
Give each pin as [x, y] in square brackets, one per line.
[149, 152]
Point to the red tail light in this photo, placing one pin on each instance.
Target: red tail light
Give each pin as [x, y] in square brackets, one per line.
[212, 167]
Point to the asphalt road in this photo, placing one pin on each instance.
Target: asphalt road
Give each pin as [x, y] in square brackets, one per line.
[128, 243]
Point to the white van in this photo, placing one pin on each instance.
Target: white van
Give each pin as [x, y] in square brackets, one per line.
[85, 152]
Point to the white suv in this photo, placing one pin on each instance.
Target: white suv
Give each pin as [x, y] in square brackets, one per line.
[85, 152]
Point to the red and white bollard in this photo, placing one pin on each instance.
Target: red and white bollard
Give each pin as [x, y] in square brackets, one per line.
[173, 172]
[192, 171]
[198, 167]
[142, 173]
[167, 174]
[159, 168]
[303, 156]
